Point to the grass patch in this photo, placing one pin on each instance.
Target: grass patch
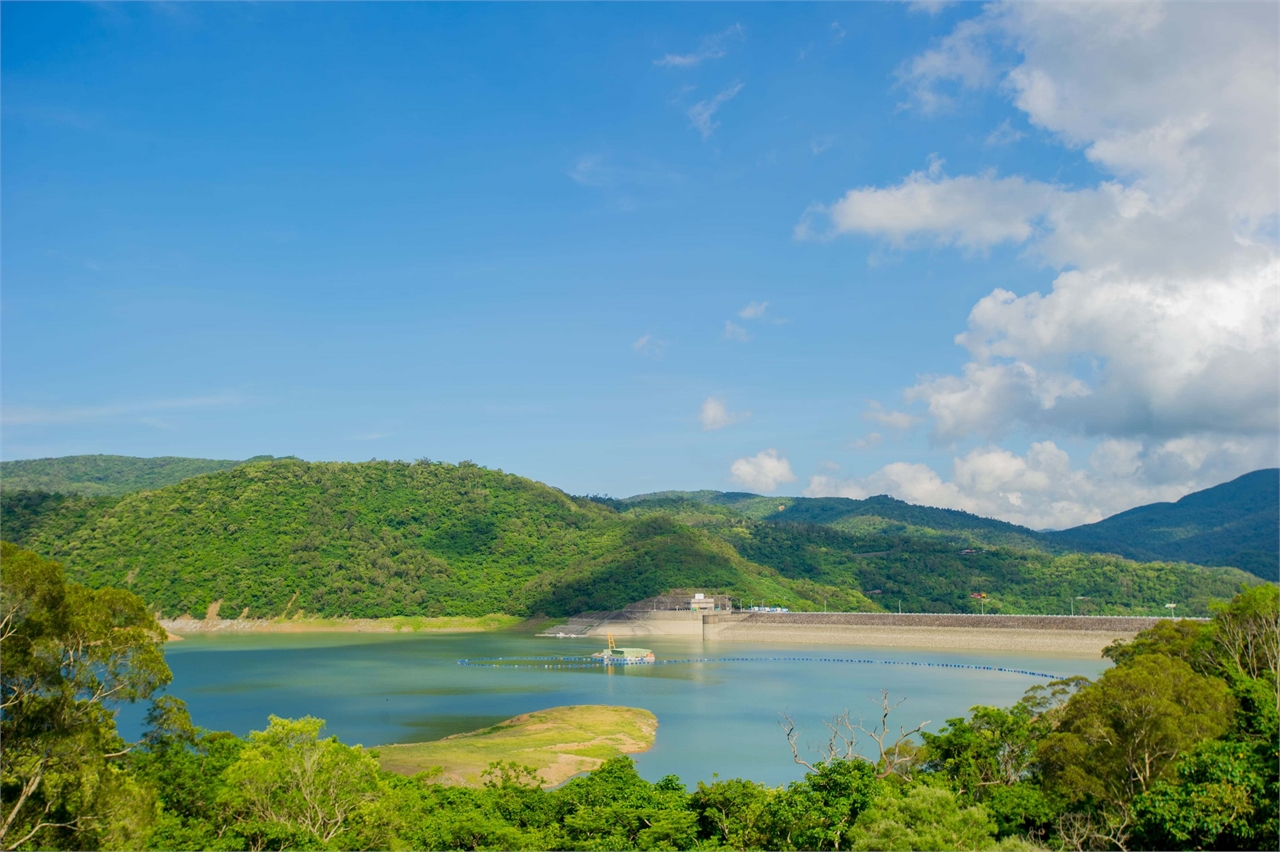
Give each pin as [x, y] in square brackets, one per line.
[557, 743]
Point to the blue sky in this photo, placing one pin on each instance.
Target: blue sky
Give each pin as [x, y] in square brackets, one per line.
[540, 236]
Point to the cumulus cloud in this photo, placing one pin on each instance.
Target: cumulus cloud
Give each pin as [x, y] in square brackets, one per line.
[715, 414]
[764, 471]
[753, 310]
[1160, 336]
[714, 46]
[735, 332]
[1041, 489]
[702, 114]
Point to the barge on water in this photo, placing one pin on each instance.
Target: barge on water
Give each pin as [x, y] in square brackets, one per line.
[615, 656]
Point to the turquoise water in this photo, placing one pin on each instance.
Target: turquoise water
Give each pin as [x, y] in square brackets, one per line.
[712, 717]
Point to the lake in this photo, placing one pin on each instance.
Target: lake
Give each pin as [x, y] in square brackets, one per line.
[713, 717]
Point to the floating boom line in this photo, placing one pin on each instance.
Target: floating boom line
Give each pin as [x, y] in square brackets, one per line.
[590, 663]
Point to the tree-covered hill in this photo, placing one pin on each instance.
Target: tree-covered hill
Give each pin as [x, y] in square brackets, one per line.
[880, 513]
[381, 539]
[1236, 523]
[927, 570]
[96, 476]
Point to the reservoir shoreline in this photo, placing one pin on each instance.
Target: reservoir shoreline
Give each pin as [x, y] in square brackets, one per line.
[1075, 635]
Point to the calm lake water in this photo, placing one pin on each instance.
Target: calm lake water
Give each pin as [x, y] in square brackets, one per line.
[386, 688]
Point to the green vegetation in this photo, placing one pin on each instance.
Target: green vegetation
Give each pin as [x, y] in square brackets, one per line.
[1176, 747]
[1229, 524]
[99, 476]
[1233, 524]
[556, 744]
[383, 539]
[394, 539]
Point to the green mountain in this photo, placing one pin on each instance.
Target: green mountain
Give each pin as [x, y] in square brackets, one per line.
[1236, 523]
[379, 539]
[96, 476]
[881, 513]
[392, 538]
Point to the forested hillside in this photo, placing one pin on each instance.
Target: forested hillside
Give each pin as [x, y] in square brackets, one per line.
[928, 570]
[880, 513]
[382, 539]
[1236, 523]
[95, 476]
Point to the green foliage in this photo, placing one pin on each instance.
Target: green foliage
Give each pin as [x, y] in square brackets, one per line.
[929, 572]
[1229, 524]
[287, 784]
[1120, 735]
[69, 656]
[99, 476]
[925, 818]
[384, 539]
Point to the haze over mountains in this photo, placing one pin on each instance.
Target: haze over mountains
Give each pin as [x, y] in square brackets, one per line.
[373, 539]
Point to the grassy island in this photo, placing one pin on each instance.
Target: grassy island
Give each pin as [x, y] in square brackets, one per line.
[558, 743]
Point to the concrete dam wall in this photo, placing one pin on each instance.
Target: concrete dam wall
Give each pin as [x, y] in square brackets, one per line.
[1075, 635]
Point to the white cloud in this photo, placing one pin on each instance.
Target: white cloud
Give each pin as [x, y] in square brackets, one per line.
[702, 114]
[837, 32]
[876, 413]
[764, 471]
[1164, 323]
[1041, 489]
[649, 346]
[714, 46]
[1005, 134]
[821, 143]
[753, 310]
[973, 212]
[735, 332]
[715, 414]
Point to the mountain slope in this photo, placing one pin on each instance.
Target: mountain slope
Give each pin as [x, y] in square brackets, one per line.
[881, 513]
[96, 476]
[380, 539]
[926, 570]
[1236, 523]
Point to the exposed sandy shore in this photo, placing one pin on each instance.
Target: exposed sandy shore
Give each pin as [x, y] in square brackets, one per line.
[447, 624]
[1074, 642]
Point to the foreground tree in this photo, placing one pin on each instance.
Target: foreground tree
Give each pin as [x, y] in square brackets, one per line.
[68, 657]
[290, 787]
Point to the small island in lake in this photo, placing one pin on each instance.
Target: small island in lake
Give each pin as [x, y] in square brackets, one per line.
[558, 743]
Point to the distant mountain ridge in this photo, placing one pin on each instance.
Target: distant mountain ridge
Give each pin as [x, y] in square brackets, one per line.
[105, 475]
[1236, 523]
